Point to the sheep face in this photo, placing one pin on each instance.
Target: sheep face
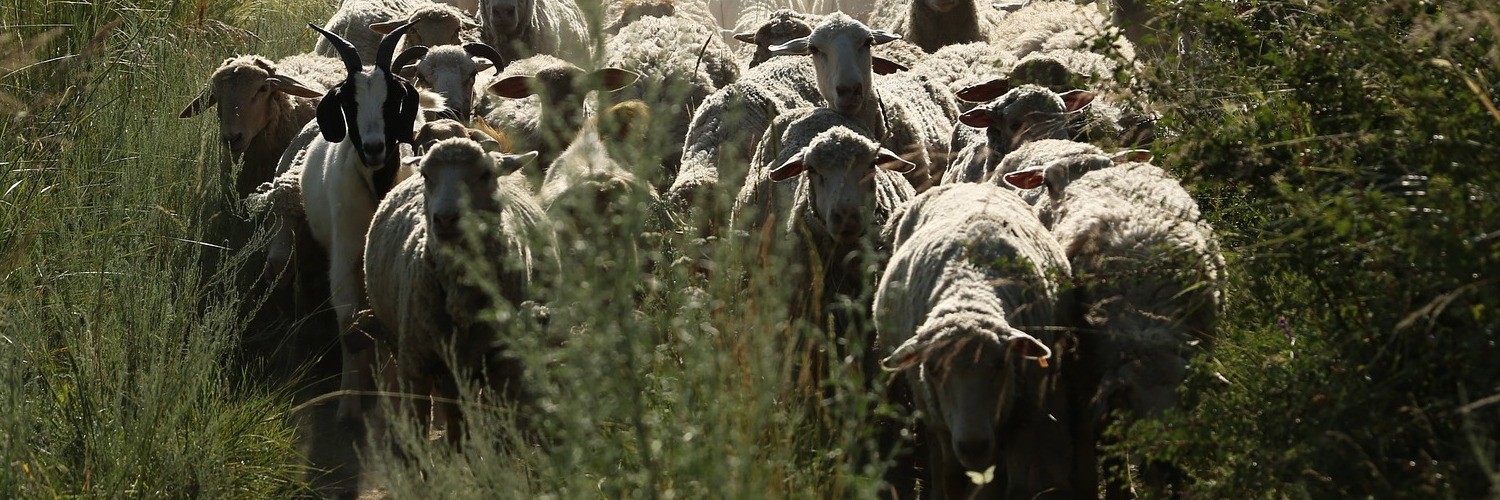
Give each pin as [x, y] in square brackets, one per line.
[562, 88]
[450, 70]
[247, 91]
[939, 5]
[971, 376]
[842, 166]
[783, 26]
[460, 178]
[1023, 114]
[840, 50]
[506, 16]
[432, 25]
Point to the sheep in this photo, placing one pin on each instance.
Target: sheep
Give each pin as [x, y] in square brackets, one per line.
[262, 106]
[784, 25]
[444, 247]
[1023, 114]
[523, 28]
[934, 24]
[451, 71]
[906, 112]
[593, 194]
[343, 180]
[1149, 275]
[830, 218]
[1044, 25]
[433, 24]
[680, 63]
[544, 105]
[352, 22]
[623, 12]
[965, 312]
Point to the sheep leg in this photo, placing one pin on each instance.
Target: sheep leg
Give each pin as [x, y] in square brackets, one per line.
[356, 349]
[447, 390]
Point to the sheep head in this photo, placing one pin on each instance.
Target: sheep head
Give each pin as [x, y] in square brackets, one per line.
[840, 50]
[842, 166]
[459, 177]
[1019, 115]
[450, 70]
[247, 91]
[506, 16]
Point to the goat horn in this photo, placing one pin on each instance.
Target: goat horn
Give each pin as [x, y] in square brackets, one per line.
[347, 52]
[388, 47]
[484, 50]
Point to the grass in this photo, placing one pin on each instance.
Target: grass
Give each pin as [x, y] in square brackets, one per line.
[1344, 152]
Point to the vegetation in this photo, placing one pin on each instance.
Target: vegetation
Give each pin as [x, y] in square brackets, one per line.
[1345, 152]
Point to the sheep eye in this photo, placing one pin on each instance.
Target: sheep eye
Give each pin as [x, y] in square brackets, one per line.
[264, 88]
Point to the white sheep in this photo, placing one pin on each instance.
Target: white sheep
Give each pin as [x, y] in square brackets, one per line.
[1148, 271]
[432, 24]
[348, 168]
[906, 112]
[445, 248]
[621, 13]
[352, 22]
[1042, 25]
[451, 71]
[262, 105]
[780, 26]
[989, 131]
[523, 28]
[934, 24]
[965, 311]
[545, 100]
[680, 63]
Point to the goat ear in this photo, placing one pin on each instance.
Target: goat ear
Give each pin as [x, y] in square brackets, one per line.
[883, 66]
[331, 116]
[794, 47]
[788, 170]
[612, 79]
[291, 86]
[411, 104]
[1132, 155]
[889, 160]
[883, 37]
[747, 37]
[387, 27]
[1030, 178]
[1029, 347]
[205, 99]
[906, 355]
[984, 92]
[977, 118]
[1075, 100]
[515, 87]
[508, 164]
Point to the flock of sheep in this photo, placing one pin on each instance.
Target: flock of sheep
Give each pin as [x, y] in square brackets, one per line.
[1035, 275]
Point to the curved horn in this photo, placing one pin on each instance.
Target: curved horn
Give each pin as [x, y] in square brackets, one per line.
[347, 52]
[408, 56]
[483, 50]
[388, 47]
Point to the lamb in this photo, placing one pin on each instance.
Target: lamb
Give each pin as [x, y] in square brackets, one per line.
[680, 64]
[965, 311]
[1023, 114]
[444, 248]
[545, 101]
[451, 71]
[1149, 273]
[906, 112]
[343, 180]
[523, 28]
[352, 22]
[830, 218]
[262, 106]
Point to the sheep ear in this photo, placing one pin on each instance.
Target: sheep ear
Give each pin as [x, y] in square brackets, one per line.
[794, 47]
[408, 71]
[1029, 347]
[412, 163]
[1030, 178]
[907, 355]
[481, 64]
[291, 86]
[387, 27]
[883, 37]
[1075, 100]
[788, 170]
[206, 99]
[977, 118]
[1132, 155]
[508, 164]
[331, 116]
[747, 37]
[515, 87]
[889, 160]
[612, 79]
[883, 66]
[984, 92]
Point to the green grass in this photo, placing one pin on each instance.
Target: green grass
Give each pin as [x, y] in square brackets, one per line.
[1345, 152]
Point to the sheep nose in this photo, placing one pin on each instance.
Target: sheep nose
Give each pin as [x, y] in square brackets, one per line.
[846, 224]
[849, 91]
[974, 454]
[232, 139]
[445, 224]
